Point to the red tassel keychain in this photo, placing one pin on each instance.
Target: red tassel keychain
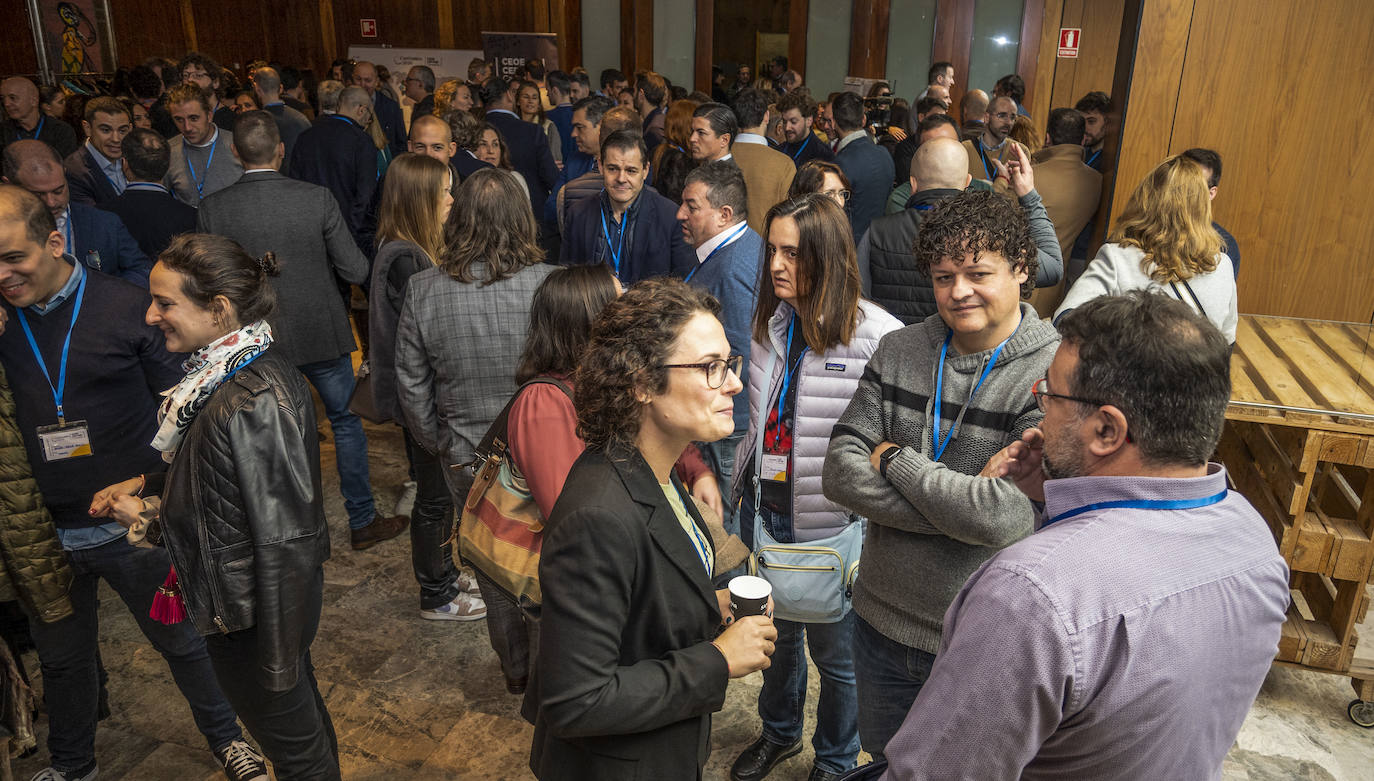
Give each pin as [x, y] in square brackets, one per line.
[167, 605]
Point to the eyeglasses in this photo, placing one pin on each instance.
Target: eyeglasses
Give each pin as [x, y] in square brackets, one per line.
[1040, 394]
[841, 195]
[715, 370]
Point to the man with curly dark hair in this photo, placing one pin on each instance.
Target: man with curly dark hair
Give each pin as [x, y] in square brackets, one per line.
[937, 401]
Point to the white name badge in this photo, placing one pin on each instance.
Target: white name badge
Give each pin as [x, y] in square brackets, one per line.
[65, 440]
[775, 467]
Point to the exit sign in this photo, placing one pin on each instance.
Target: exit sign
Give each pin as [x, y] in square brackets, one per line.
[369, 27]
[1068, 42]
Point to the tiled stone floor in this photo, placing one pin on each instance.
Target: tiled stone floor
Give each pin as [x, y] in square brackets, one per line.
[415, 699]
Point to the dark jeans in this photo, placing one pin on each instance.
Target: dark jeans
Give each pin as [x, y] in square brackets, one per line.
[68, 652]
[431, 525]
[782, 702]
[333, 380]
[514, 635]
[292, 727]
[890, 675]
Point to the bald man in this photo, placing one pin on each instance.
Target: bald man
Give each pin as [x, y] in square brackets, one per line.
[939, 169]
[993, 145]
[388, 111]
[972, 107]
[97, 238]
[290, 122]
[26, 119]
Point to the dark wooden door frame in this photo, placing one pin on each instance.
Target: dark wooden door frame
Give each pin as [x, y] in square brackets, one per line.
[636, 36]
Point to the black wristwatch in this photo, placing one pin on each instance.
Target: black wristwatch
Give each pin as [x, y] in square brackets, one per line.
[886, 458]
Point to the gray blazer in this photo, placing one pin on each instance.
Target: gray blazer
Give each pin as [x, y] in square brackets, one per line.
[299, 222]
[457, 347]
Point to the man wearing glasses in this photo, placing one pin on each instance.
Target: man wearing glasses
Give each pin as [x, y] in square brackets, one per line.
[993, 146]
[1127, 638]
[200, 70]
[936, 402]
[419, 87]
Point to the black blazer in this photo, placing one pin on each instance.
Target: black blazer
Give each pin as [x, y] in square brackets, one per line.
[870, 172]
[153, 218]
[337, 154]
[626, 679]
[529, 155]
[88, 183]
[392, 120]
[654, 246]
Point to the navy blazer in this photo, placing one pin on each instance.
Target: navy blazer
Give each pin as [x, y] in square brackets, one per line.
[152, 217]
[103, 243]
[466, 165]
[732, 275]
[529, 155]
[337, 154]
[870, 170]
[655, 246]
[87, 181]
[392, 121]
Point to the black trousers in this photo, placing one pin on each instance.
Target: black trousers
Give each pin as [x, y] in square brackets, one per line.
[292, 727]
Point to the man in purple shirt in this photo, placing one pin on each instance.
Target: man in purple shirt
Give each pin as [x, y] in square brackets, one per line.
[1128, 636]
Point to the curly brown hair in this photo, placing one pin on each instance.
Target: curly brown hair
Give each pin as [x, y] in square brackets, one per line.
[624, 358]
[972, 223]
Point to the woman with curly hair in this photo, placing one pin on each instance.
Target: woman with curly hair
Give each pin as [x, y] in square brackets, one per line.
[1164, 239]
[632, 661]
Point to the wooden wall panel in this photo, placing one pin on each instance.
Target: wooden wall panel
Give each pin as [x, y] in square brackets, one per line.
[1034, 18]
[147, 28]
[294, 34]
[17, 56]
[868, 39]
[1040, 89]
[1100, 21]
[234, 34]
[953, 35]
[799, 12]
[636, 36]
[1296, 199]
[399, 22]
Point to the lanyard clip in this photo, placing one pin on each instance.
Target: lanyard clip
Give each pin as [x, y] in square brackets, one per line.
[61, 418]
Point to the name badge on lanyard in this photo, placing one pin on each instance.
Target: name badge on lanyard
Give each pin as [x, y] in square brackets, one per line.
[65, 440]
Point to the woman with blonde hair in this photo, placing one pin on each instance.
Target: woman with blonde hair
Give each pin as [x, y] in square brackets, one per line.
[416, 201]
[1164, 239]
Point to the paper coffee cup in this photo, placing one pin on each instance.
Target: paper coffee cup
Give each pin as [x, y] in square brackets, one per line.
[749, 596]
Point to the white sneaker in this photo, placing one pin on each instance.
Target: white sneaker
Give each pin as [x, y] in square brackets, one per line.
[464, 607]
[242, 762]
[406, 501]
[467, 582]
[53, 774]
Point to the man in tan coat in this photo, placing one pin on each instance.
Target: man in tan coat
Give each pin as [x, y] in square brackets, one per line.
[767, 172]
[1069, 188]
[992, 146]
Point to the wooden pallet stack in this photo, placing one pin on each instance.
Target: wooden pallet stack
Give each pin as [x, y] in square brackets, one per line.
[1299, 444]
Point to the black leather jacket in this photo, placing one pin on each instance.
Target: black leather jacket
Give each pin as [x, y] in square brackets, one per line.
[242, 514]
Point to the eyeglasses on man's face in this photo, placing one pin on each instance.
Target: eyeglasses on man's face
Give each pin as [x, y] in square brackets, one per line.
[715, 370]
[1040, 394]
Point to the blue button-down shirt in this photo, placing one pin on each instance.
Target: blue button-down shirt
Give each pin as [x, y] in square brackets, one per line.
[113, 169]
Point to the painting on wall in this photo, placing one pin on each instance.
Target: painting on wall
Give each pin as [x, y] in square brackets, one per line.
[73, 37]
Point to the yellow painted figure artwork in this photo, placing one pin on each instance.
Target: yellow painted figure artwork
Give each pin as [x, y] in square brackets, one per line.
[74, 40]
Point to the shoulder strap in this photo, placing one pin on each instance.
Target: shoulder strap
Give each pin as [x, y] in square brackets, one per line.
[1191, 295]
[496, 440]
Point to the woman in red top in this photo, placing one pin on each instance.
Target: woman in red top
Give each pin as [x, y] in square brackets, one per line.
[542, 429]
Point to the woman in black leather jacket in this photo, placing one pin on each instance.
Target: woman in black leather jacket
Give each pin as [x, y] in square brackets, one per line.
[240, 510]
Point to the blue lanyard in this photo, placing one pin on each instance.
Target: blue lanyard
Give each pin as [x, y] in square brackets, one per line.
[712, 253]
[1094, 157]
[788, 374]
[1141, 504]
[36, 131]
[698, 542]
[61, 388]
[240, 366]
[940, 443]
[802, 148]
[606, 231]
[992, 177]
[200, 184]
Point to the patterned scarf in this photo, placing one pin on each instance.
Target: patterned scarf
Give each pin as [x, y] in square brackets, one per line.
[205, 370]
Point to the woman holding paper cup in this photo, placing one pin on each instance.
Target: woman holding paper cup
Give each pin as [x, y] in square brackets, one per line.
[632, 662]
[812, 338]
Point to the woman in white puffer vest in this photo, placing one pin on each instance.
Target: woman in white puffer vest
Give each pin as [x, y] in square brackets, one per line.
[812, 338]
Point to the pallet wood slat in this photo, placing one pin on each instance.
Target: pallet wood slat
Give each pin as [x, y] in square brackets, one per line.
[1310, 374]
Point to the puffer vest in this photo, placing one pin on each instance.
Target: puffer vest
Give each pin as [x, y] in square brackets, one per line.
[896, 284]
[825, 384]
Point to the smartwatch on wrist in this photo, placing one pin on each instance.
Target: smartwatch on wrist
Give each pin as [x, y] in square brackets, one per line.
[886, 458]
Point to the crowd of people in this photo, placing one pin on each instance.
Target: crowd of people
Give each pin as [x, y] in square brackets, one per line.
[870, 359]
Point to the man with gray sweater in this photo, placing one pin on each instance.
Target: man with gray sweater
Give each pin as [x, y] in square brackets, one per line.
[938, 400]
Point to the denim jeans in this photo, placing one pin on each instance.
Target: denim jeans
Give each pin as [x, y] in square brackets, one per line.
[431, 525]
[292, 727]
[513, 633]
[68, 653]
[720, 456]
[890, 675]
[334, 380]
[783, 698]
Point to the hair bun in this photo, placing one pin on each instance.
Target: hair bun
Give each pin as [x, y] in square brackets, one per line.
[268, 264]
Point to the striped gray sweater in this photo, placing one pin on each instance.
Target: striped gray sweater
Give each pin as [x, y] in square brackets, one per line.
[932, 523]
